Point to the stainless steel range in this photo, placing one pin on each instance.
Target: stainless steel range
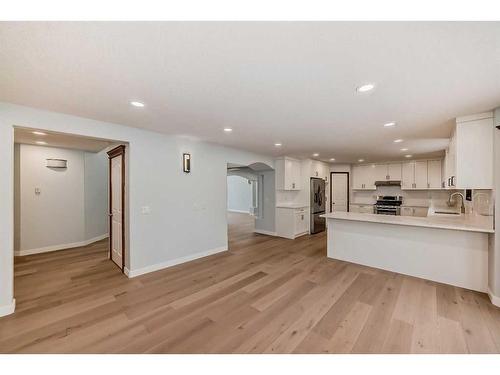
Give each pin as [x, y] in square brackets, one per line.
[388, 205]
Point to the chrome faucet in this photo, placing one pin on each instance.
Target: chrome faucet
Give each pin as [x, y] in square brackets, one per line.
[462, 208]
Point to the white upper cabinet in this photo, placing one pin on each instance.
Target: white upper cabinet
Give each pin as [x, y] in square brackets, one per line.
[434, 174]
[394, 171]
[380, 172]
[320, 170]
[470, 153]
[387, 171]
[408, 175]
[421, 175]
[363, 177]
[288, 176]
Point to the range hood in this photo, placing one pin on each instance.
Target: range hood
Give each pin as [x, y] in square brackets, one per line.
[388, 183]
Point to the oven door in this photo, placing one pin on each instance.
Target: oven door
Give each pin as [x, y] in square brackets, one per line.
[381, 210]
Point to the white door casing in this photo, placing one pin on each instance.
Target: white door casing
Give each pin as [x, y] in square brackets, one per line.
[116, 209]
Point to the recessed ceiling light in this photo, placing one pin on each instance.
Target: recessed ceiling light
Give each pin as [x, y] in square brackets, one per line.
[39, 133]
[365, 87]
[389, 124]
[316, 154]
[137, 104]
[404, 149]
[277, 144]
[41, 143]
[408, 156]
[398, 140]
[228, 130]
[332, 159]
[361, 160]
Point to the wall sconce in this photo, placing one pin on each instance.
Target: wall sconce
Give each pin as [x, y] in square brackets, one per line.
[186, 162]
[57, 163]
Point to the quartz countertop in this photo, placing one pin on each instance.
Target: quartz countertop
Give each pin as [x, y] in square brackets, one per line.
[471, 223]
[291, 205]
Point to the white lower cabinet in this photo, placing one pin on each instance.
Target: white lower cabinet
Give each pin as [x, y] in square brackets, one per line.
[292, 222]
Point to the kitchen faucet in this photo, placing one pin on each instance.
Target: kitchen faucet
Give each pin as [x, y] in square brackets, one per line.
[462, 208]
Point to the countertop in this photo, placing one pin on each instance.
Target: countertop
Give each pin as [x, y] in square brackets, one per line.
[291, 205]
[471, 223]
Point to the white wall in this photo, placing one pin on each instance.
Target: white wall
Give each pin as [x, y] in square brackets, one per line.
[188, 211]
[239, 194]
[494, 253]
[96, 194]
[72, 205]
[56, 215]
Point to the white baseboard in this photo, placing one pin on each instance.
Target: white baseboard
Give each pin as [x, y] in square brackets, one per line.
[8, 309]
[239, 211]
[494, 299]
[173, 262]
[266, 232]
[47, 249]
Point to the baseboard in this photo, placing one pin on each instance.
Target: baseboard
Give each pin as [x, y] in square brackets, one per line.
[266, 232]
[60, 247]
[8, 309]
[173, 262]
[239, 211]
[494, 299]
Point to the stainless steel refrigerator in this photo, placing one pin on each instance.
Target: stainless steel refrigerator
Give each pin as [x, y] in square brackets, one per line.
[318, 205]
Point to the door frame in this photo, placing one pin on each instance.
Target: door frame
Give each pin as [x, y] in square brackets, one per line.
[115, 152]
[331, 189]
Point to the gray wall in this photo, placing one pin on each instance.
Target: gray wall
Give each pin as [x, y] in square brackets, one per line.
[268, 193]
[96, 194]
[72, 206]
[239, 194]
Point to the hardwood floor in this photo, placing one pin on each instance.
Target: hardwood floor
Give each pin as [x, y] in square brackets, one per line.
[265, 295]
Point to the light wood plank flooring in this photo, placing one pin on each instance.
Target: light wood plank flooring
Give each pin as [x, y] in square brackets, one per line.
[265, 295]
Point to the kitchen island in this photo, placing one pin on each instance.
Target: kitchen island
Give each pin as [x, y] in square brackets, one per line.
[451, 250]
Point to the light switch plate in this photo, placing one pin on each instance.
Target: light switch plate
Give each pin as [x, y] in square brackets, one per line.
[145, 210]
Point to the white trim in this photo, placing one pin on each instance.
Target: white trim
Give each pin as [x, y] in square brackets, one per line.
[266, 232]
[8, 309]
[238, 211]
[173, 262]
[494, 299]
[60, 247]
[126, 271]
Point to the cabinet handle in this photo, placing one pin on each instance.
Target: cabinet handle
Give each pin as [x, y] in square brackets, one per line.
[428, 185]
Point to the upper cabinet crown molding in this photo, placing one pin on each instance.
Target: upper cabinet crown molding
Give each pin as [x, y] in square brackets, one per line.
[475, 117]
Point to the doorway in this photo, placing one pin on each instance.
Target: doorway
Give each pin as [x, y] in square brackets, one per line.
[117, 205]
[339, 192]
[250, 201]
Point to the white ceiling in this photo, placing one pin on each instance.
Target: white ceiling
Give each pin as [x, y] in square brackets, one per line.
[54, 139]
[288, 82]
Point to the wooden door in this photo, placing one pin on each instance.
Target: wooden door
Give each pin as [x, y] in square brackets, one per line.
[117, 205]
[339, 192]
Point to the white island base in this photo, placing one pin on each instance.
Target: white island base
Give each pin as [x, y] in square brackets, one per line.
[450, 256]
